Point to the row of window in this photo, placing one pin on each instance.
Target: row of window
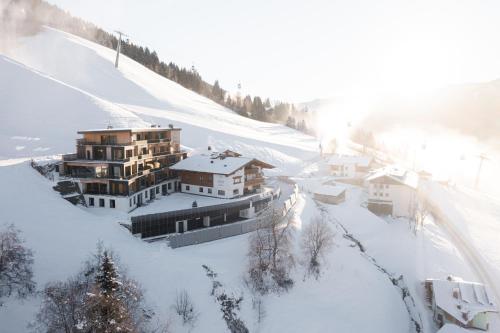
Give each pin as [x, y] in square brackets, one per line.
[102, 203]
[209, 190]
[376, 185]
[380, 194]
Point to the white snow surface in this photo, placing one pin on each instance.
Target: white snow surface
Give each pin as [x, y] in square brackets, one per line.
[64, 83]
[53, 84]
[212, 164]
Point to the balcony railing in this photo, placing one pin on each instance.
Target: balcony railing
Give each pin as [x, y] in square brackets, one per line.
[110, 143]
[70, 157]
[159, 140]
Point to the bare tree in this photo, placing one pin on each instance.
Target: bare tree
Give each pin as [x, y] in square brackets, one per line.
[419, 213]
[184, 307]
[16, 265]
[270, 255]
[317, 239]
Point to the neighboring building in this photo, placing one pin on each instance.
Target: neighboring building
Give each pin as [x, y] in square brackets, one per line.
[392, 191]
[349, 166]
[450, 328]
[330, 194]
[222, 175]
[124, 167]
[454, 301]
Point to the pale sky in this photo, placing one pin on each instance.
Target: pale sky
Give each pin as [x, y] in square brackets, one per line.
[302, 50]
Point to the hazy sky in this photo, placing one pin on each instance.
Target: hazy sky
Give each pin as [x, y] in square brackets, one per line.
[301, 50]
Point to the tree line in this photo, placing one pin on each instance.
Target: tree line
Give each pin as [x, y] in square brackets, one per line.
[38, 13]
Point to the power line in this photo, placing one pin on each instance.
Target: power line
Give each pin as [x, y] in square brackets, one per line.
[119, 45]
[482, 157]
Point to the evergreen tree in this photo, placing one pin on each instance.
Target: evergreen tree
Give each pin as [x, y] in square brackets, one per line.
[107, 309]
[258, 110]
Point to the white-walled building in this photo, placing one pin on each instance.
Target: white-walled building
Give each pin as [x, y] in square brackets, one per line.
[349, 166]
[392, 191]
[454, 301]
[222, 175]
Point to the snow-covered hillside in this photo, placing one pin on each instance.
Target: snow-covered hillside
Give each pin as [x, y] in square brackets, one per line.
[53, 84]
[66, 83]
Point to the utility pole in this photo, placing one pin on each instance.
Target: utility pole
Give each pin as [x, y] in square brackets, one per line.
[119, 46]
[482, 157]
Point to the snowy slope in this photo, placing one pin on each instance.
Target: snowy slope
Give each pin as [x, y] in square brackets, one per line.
[134, 91]
[53, 84]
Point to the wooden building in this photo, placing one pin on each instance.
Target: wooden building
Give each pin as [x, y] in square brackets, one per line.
[222, 175]
[122, 168]
[329, 194]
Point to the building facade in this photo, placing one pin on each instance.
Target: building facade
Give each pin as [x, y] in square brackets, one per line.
[125, 167]
[349, 166]
[392, 191]
[222, 175]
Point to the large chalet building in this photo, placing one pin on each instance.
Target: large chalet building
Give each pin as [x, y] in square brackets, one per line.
[124, 167]
[222, 175]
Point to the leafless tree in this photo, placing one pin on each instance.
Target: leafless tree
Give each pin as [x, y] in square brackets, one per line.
[420, 212]
[317, 239]
[184, 307]
[16, 262]
[270, 255]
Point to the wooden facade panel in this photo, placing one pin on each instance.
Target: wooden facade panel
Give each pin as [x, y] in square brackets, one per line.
[197, 178]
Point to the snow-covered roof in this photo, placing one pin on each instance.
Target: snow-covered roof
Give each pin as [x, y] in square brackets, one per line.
[215, 163]
[337, 159]
[452, 328]
[461, 299]
[400, 175]
[129, 129]
[329, 190]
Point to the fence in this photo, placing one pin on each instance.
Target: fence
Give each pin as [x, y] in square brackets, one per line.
[223, 231]
[212, 233]
[290, 202]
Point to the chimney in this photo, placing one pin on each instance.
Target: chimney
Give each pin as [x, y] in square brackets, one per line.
[109, 127]
[170, 126]
[209, 148]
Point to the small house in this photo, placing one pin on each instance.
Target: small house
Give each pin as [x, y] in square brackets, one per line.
[392, 191]
[349, 166]
[461, 303]
[330, 194]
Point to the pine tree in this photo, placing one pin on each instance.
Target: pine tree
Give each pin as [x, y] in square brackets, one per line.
[107, 309]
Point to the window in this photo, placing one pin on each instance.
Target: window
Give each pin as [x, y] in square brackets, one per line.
[386, 185]
[91, 201]
[157, 189]
[387, 194]
[111, 203]
[200, 189]
[221, 192]
[237, 180]
[169, 186]
[187, 188]
[101, 202]
[236, 191]
[209, 190]
[134, 199]
[146, 194]
[130, 203]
